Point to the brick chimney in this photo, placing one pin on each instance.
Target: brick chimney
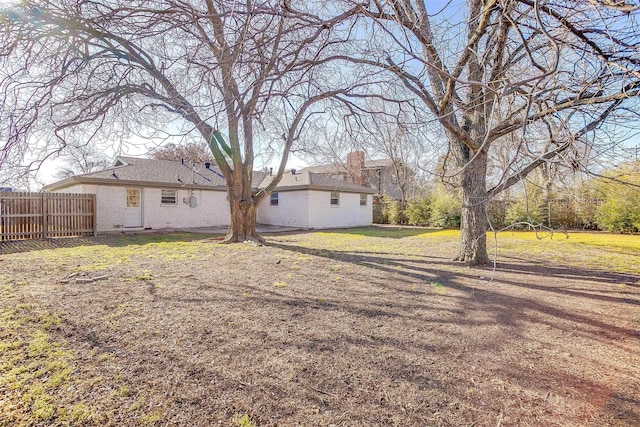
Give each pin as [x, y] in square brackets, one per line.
[355, 167]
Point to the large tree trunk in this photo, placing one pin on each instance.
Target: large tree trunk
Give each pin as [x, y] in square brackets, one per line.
[242, 209]
[243, 222]
[472, 247]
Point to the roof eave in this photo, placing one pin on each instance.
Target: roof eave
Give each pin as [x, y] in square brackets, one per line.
[124, 182]
[364, 190]
[60, 184]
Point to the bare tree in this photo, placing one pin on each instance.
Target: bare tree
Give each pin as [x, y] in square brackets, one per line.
[74, 69]
[382, 130]
[397, 137]
[533, 79]
[191, 151]
[82, 159]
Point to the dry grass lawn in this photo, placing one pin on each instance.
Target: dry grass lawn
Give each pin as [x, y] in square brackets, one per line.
[355, 327]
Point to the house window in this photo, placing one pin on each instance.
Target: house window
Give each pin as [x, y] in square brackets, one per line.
[335, 198]
[274, 198]
[394, 178]
[363, 200]
[169, 197]
[133, 197]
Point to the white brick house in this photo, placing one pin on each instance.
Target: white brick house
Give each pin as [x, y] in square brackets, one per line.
[155, 194]
[311, 200]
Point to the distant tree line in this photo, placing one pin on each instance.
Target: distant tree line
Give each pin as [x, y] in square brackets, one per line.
[608, 201]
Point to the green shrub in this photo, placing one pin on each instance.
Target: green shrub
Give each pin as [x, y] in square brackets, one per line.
[527, 208]
[620, 207]
[392, 211]
[496, 210]
[521, 213]
[619, 214]
[446, 209]
[418, 211]
[586, 206]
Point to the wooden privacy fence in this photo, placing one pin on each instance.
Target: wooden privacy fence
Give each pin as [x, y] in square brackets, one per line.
[45, 215]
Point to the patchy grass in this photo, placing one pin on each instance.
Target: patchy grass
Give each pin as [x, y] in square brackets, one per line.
[41, 382]
[127, 250]
[243, 420]
[605, 240]
[142, 276]
[343, 327]
[439, 288]
[388, 232]
[612, 252]
[36, 369]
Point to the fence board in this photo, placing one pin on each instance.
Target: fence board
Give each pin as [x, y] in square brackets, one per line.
[43, 215]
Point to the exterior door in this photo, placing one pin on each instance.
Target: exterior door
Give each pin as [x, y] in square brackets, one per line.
[133, 211]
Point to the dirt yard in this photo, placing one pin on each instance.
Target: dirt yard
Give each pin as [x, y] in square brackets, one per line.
[346, 328]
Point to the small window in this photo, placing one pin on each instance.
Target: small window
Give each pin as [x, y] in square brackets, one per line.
[133, 198]
[394, 178]
[169, 197]
[363, 200]
[335, 198]
[274, 198]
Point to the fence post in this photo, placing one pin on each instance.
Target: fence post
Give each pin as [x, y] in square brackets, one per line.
[94, 204]
[45, 216]
[2, 221]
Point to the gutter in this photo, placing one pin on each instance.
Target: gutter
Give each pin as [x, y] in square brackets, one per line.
[122, 183]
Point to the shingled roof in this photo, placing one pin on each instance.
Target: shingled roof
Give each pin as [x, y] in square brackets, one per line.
[314, 181]
[341, 168]
[169, 173]
[148, 172]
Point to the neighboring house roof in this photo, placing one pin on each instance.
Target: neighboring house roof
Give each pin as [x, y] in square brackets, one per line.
[341, 168]
[163, 173]
[334, 168]
[314, 181]
[378, 164]
[147, 172]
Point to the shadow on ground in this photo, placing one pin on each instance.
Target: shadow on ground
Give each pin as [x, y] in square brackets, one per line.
[20, 246]
[363, 337]
[384, 231]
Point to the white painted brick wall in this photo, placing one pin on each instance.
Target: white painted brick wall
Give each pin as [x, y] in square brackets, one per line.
[212, 209]
[110, 204]
[306, 209]
[312, 209]
[348, 214]
[292, 210]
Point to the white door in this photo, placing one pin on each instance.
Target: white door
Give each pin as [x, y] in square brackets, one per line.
[133, 211]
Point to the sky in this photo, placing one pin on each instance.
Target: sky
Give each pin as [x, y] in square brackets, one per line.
[48, 170]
